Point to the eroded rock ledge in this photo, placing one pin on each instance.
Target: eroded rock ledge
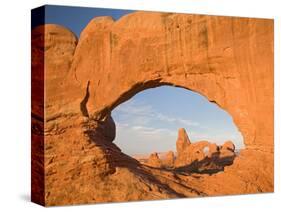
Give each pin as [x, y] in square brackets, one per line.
[228, 60]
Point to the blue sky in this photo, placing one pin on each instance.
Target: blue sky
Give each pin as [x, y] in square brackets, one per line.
[149, 121]
[76, 18]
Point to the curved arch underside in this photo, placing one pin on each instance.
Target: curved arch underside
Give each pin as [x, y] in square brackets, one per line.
[228, 60]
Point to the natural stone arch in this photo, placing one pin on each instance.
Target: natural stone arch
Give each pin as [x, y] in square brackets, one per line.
[147, 49]
[218, 57]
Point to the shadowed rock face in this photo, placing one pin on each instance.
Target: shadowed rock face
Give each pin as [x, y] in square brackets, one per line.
[228, 60]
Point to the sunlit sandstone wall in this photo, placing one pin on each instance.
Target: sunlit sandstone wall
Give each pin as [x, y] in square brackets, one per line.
[228, 60]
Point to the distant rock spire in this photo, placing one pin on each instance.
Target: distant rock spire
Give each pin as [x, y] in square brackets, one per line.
[183, 141]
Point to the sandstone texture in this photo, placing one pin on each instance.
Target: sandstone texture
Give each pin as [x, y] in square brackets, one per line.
[226, 59]
[205, 157]
[228, 145]
[195, 157]
[154, 160]
[182, 143]
[169, 160]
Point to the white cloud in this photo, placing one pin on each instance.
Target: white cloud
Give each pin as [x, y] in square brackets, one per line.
[142, 129]
[134, 107]
[143, 113]
[151, 131]
[145, 140]
[188, 122]
[120, 125]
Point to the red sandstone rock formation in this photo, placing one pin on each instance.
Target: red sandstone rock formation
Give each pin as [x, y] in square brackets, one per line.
[182, 142]
[213, 149]
[196, 152]
[228, 60]
[169, 160]
[193, 152]
[228, 145]
[154, 160]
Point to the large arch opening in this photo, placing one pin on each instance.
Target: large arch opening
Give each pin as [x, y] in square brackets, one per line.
[148, 125]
